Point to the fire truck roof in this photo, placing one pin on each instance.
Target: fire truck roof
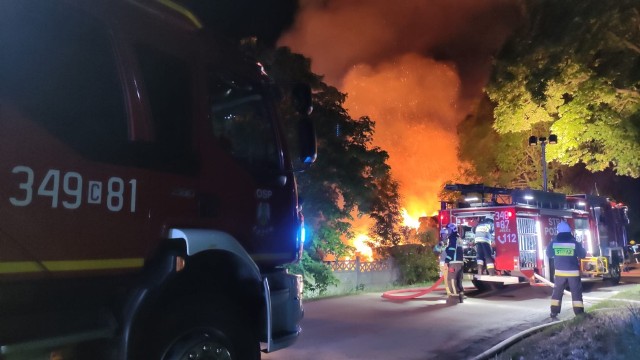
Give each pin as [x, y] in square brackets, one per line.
[491, 196]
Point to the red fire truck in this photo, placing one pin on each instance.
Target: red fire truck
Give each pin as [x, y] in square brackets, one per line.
[147, 195]
[524, 224]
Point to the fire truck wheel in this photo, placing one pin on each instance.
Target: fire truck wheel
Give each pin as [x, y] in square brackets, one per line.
[487, 285]
[190, 331]
[614, 271]
[478, 284]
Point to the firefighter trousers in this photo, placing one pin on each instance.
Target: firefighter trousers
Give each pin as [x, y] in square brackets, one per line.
[575, 286]
[484, 258]
[453, 281]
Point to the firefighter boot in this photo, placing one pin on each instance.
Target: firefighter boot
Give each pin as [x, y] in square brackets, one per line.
[461, 297]
[480, 269]
[492, 271]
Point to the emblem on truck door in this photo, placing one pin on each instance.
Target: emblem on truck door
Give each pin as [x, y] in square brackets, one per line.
[263, 212]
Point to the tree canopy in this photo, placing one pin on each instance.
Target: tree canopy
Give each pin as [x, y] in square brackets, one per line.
[350, 175]
[574, 70]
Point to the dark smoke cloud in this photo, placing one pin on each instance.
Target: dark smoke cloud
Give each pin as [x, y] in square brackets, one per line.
[338, 34]
[414, 66]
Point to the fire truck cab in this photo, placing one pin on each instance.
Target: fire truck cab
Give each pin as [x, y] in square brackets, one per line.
[525, 223]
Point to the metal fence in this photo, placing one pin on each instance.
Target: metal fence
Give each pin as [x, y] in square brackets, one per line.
[360, 266]
[357, 275]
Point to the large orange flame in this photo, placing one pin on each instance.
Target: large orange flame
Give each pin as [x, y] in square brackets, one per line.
[413, 101]
[417, 100]
[363, 250]
[410, 221]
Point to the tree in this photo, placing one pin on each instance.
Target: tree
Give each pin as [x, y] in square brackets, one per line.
[350, 174]
[504, 160]
[385, 211]
[574, 69]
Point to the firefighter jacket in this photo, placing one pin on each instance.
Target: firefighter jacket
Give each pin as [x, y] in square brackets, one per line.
[484, 231]
[566, 253]
[453, 251]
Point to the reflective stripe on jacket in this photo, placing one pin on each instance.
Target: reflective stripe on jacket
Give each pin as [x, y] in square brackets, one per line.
[484, 231]
[566, 252]
[453, 251]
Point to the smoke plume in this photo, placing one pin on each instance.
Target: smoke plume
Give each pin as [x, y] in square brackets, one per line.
[415, 67]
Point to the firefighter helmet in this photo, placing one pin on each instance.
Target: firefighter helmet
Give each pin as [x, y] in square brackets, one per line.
[452, 227]
[563, 227]
[632, 242]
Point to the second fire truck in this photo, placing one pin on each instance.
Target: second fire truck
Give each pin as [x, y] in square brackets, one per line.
[525, 223]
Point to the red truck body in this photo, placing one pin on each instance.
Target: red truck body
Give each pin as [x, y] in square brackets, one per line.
[145, 177]
[525, 223]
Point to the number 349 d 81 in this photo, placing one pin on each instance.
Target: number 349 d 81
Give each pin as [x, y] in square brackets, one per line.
[68, 189]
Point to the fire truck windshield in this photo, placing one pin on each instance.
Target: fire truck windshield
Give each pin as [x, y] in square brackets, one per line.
[242, 126]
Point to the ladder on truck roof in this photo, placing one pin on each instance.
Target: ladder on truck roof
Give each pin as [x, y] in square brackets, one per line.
[505, 196]
[498, 195]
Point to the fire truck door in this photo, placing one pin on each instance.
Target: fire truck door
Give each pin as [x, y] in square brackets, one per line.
[70, 199]
[527, 244]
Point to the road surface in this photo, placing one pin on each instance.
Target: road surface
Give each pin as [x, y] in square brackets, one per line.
[369, 327]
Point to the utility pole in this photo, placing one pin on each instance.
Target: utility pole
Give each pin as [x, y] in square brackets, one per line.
[533, 141]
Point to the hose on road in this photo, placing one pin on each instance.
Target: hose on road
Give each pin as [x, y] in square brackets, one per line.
[414, 293]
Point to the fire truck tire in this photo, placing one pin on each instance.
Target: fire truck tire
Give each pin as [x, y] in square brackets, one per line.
[480, 285]
[200, 330]
[614, 271]
[487, 285]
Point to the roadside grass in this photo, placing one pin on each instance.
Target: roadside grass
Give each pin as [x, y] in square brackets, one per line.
[610, 330]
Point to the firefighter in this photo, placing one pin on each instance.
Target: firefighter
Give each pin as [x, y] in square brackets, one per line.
[483, 234]
[566, 252]
[441, 246]
[438, 249]
[454, 261]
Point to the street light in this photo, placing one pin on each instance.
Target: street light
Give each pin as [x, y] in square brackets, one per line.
[533, 141]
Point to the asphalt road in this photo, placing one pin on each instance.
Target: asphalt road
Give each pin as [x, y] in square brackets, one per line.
[369, 327]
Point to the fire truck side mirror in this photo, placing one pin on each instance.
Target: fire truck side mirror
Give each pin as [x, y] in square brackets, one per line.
[301, 95]
[307, 141]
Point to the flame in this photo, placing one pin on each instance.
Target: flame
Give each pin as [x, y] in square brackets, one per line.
[361, 241]
[362, 249]
[385, 64]
[409, 221]
[416, 118]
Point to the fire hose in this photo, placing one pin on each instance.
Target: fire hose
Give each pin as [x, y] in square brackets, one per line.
[549, 283]
[414, 293]
[497, 349]
[417, 292]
